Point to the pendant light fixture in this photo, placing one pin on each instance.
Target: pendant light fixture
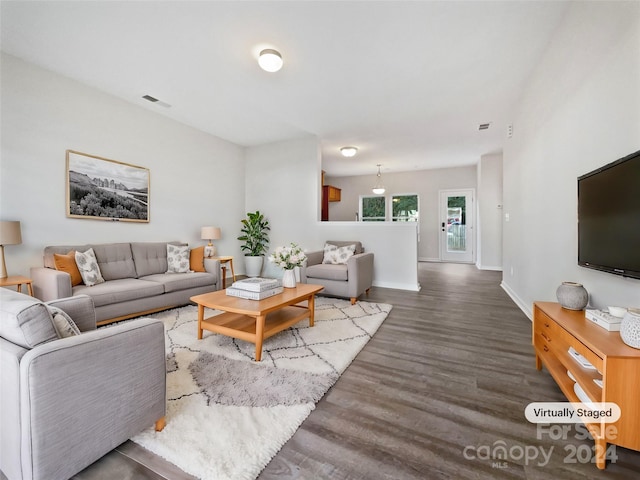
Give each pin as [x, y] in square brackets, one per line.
[378, 188]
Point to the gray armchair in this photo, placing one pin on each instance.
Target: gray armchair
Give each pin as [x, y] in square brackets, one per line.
[66, 402]
[349, 280]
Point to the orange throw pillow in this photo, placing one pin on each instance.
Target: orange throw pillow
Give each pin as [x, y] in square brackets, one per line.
[196, 259]
[67, 263]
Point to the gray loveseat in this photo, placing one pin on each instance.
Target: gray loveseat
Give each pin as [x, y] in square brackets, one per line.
[66, 402]
[136, 282]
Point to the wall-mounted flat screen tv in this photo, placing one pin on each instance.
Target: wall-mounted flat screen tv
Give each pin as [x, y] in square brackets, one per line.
[609, 217]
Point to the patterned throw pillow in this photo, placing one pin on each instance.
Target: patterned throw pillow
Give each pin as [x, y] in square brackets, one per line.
[64, 325]
[89, 269]
[335, 255]
[177, 258]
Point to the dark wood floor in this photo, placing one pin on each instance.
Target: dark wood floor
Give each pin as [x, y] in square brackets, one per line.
[445, 379]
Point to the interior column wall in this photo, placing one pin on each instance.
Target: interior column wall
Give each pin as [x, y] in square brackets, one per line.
[489, 209]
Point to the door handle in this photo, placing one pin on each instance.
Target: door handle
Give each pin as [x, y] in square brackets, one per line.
[443, 226]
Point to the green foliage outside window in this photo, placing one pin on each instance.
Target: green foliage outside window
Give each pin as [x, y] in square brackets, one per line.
[373, 209]
[405, 208]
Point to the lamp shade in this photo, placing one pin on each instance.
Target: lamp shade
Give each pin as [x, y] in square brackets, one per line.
[10, 233]
[210, 233]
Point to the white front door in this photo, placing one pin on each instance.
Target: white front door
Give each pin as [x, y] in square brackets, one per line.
[457, 237]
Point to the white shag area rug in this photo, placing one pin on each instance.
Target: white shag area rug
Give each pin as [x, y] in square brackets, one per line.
[227, 415]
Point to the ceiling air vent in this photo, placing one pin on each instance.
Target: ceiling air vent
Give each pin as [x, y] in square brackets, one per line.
[155, 100]
[484, 126]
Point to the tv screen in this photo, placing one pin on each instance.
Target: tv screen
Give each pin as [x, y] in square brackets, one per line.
[609, 217]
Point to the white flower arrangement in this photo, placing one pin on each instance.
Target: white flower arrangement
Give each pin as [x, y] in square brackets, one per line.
[288, 257]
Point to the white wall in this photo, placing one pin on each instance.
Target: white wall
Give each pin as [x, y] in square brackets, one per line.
[580, 111]
[489, 213]
[196, 179]
[394, 245]
[283, 182]
[426, 183]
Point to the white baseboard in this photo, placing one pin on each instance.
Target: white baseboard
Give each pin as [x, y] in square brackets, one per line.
[489, 267]
[524, 306]
[398, 286]
[437, 260]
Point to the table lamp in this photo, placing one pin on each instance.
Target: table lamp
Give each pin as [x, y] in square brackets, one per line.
[9, 235]
[210, 233]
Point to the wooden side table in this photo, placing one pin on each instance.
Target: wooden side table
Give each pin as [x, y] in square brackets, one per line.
[223, 265]
[18, 281]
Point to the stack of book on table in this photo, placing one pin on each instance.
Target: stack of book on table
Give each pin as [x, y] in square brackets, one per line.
[255, 288]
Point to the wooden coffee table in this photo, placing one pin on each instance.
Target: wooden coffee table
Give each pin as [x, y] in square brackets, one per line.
[255, 320]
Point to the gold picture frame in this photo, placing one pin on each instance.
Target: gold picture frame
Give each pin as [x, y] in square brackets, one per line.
[102, 189]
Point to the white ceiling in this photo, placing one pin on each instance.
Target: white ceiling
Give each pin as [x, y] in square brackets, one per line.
[408, 83]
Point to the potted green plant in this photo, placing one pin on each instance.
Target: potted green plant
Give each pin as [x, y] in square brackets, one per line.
[255, 238]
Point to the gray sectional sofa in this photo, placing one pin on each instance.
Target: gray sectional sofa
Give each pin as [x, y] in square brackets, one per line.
[136, 282]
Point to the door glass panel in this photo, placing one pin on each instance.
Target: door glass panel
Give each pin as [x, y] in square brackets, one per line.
[456, 224]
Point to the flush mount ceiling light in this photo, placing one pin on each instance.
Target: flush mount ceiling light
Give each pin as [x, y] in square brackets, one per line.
[348, 151]
[270, 60]
[378, 188]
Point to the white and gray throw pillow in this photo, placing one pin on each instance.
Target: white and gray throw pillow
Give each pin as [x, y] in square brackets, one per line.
[89, 269]
[64, 325]
[177, 258]
[335, 255]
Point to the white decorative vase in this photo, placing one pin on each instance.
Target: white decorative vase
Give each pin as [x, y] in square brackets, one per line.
[572, 296]
[289, 279]
[253, 266]
[630, 328]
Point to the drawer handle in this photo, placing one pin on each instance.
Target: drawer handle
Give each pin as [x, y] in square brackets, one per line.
[546, 324]
[545, 348]
[545, 337]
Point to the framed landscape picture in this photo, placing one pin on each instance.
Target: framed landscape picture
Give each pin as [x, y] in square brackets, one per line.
[103, 189]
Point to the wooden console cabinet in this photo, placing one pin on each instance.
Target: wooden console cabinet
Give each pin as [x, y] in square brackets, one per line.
[555, 329]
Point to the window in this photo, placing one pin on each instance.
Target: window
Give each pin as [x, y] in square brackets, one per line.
[404, 208]
[372, 209]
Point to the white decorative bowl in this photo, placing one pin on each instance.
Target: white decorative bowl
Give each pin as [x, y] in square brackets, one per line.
[630, 328]
[617, 311]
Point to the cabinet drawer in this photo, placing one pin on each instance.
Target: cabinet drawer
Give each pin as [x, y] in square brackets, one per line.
[544, 324]
[541, 344]
[549, 333]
